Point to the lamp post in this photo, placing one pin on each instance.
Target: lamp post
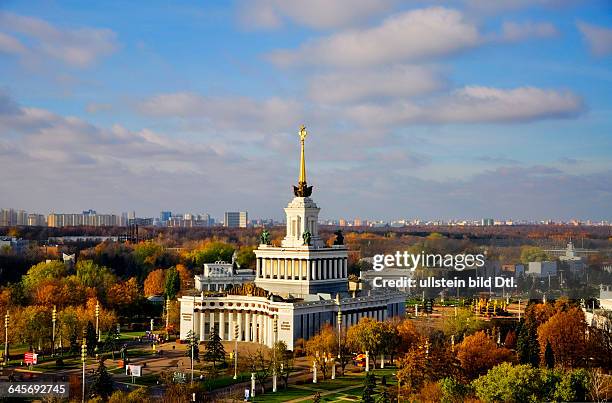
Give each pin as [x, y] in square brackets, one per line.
[236, 335]
[193, 338]
[167, 313]
[6, 326]
[275, 326]
[83, 358]
[97, 320]
[53, 320]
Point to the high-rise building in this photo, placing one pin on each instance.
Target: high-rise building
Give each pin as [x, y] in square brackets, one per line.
[88, 219]
[236, 219]
[165, 216]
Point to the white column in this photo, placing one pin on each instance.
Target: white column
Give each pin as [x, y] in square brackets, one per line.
[307, 269]
[222, 325]
[202, 325]
[335, 268]
[344, 267]
[285, 269]
[318, 268]
[260, 328]
[212, 321]
[258, 267]
[240, 325]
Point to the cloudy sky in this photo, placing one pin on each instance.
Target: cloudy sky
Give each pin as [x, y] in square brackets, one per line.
[429, 109]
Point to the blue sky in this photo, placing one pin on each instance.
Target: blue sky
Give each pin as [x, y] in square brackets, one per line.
[430, 109]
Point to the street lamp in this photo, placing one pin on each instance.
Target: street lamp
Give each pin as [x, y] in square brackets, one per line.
[192, 334]
[97, 320]
[339, 332]
[6, 326]
[53, 319]
[236, 335]
[275, 328]
[83, 358]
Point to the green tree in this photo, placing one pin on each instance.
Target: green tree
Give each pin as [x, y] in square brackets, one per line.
[573, 386]
[549, 356]
[246, 257]
[111, 342]
[508, 383]
[533, 254]
[44, 271]
[369, 386]
[173, 283]
[211, 252]
[192, 343]
[93, 275]
[453, 391]
[527, 345]
[91, 338]
[102, 381]
[215, 352]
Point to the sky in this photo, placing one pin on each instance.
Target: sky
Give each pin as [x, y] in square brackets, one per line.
[415, 109]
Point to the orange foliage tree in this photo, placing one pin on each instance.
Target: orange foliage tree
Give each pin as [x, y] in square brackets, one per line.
[566, 333]
[477, 354]
[155, 282]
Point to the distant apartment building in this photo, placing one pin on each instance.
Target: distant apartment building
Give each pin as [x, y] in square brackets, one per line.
[236, 219]
[9, 217]
[88, 218]
[165, 216]
[189, 220]
[37, 220]
[487, 222]
[542, 269]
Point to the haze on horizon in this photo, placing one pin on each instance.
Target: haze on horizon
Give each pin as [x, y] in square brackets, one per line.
[430, 109]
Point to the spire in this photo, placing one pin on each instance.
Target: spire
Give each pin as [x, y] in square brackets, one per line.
[302, 189]
[303, 134]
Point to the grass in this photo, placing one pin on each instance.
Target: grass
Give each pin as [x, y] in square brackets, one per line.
[282, 395]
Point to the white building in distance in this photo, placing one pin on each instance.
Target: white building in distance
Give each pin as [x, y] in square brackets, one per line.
[300, 285]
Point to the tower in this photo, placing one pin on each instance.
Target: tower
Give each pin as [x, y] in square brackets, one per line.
[303, 264]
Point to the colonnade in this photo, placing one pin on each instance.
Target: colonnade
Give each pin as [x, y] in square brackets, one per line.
[302, 269]
[252, 326]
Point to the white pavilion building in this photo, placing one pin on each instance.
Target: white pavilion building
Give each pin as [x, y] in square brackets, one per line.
[302, 284]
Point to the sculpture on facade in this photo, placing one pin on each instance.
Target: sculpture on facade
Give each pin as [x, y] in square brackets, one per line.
[339, 238]
[265, 237]
[306, 237]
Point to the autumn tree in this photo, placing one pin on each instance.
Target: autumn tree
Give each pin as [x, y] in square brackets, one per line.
[320, 348]
[367, 336]
[477, 354]
[566, 334]
[155, 282]
[185, 275]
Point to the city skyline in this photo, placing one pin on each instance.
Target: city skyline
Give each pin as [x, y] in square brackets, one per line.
[503, 112]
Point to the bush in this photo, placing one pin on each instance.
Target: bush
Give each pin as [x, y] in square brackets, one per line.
[59, 362]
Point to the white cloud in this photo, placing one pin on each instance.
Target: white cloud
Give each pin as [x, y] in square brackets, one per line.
[409, 36]
[9, 44]
[318, 14]
[598, 38]
[514, 32]
[473, 105]
[75, 47]
[396, 81]
[228, 113]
